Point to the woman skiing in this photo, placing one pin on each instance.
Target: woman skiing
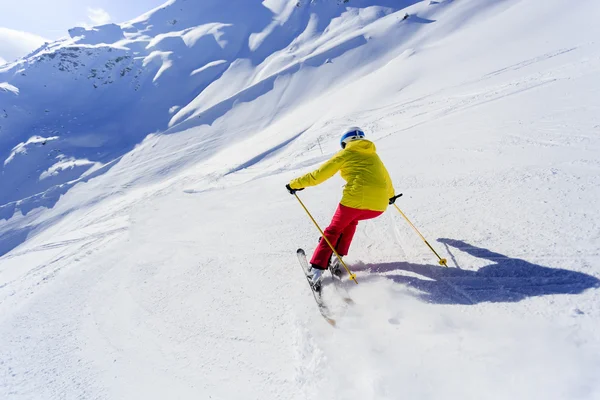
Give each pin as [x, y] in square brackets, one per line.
[367, 194]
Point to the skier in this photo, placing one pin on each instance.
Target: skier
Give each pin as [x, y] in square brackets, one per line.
[367, 194]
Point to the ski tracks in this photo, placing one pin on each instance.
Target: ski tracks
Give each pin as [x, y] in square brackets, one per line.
[411, 113]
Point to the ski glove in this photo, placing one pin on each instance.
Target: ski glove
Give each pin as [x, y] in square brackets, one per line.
[393, 199]
[292, 191]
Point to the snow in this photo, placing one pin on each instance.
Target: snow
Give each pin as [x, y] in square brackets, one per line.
[108, 33]
[165, 62]
[167, 268]
[207, 66]
[21, 148]
[64, 163]
[7, 87]
[216, 30]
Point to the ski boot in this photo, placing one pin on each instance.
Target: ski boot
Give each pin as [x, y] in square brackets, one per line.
[335, 267]
[315, 276]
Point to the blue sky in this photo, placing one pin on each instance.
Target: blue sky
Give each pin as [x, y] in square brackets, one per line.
[24, 24]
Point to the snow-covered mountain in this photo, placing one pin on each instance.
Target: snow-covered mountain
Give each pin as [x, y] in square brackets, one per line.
[147, 243]
[74, 106]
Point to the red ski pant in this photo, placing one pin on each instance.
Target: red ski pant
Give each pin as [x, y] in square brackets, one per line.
[340, 233]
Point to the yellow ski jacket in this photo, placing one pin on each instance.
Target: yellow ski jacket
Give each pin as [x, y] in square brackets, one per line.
[368, 187]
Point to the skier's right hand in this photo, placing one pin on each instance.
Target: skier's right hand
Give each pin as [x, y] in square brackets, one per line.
[292, 191]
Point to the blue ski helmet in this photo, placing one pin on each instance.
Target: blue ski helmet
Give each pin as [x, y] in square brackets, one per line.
[351, 134]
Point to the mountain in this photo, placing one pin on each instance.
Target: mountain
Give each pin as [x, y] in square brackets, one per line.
[75, 106]
[147, 241]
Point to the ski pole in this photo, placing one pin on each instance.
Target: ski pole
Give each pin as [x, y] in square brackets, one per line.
[352, 276]
[442, 261]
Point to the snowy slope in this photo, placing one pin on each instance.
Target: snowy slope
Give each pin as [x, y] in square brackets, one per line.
[102, 90]
[173, 275]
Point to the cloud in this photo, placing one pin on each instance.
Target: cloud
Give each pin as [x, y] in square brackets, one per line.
[98, 16]
[15, 44]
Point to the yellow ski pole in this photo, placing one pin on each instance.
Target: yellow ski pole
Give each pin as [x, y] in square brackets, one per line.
[352, 276]
[442, 261]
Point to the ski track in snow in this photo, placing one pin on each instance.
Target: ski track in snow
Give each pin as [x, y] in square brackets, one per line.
[130, 287]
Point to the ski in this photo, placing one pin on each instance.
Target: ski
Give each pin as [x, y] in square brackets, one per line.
[323, 309]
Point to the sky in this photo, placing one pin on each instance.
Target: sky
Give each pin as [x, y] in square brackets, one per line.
[27, 24]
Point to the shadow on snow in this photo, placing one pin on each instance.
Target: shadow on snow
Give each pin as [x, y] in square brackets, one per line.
[504, 280]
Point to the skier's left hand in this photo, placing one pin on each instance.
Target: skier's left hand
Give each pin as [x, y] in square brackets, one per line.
[292, 191]
[393, 199]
